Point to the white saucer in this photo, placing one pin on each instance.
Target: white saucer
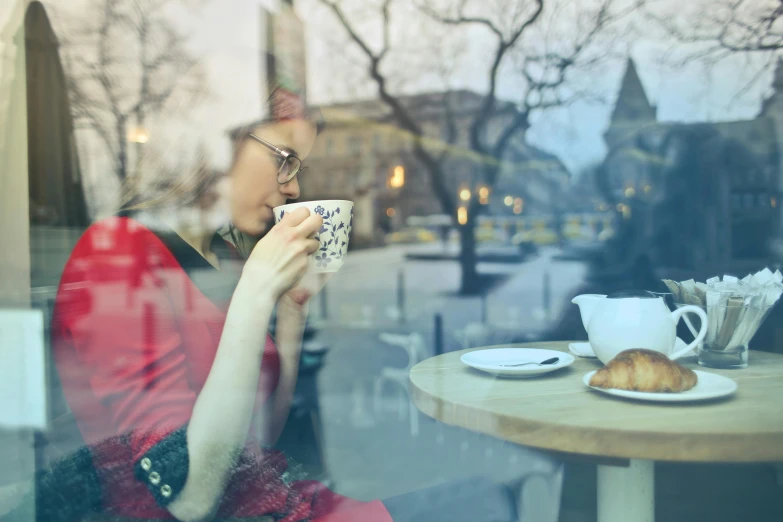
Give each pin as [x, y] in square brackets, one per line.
[584, 349]
[710, 386]
[491, 361]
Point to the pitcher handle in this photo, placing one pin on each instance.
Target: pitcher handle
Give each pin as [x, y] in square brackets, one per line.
[690, 326]
[677, 315]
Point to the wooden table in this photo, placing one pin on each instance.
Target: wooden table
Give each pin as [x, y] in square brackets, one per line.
[557, 412]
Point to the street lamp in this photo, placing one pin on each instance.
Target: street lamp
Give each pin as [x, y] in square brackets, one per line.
[138, 135]
[462, 215]
[483, 195]
[397, 179]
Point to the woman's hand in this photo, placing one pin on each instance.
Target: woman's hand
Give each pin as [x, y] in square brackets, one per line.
[279, 261]
[307, 288]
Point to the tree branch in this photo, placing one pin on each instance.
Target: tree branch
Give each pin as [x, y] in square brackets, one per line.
[104, 63]
[486, 112]
[399, 112]
[337, 10]
[450, 123]
[746, 28]
[128, 63]
[83, 108]
[520, 121]
[479, 124]
[386, 23]
[461, 19]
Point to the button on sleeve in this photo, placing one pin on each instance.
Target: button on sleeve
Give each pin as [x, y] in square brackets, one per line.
[164, 468]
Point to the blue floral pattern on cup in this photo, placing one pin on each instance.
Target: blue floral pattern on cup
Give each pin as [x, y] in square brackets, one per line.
[333, 235]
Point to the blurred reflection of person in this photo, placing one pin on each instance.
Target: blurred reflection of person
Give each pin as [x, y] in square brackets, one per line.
[179, 392]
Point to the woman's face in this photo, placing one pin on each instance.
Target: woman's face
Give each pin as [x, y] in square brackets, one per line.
[254, 188]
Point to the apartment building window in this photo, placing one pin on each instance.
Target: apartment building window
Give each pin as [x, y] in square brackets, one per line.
[354, 145]
[396, 140]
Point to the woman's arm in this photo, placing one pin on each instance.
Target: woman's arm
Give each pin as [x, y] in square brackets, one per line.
[292, 312]
[223, 411]
[290, 328]
[222, 414]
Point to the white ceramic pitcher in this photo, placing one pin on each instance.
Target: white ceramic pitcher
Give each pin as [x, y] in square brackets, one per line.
[634, 319]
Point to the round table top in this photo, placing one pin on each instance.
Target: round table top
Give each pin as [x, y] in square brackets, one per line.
[557, 412]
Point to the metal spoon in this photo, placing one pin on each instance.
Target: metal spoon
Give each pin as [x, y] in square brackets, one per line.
[553, 360]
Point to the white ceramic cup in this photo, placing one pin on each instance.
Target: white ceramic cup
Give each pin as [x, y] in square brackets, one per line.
[334, 234]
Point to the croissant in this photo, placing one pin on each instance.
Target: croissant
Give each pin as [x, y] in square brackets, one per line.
[644, 371]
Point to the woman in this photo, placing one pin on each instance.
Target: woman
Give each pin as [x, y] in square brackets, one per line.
[160, 340]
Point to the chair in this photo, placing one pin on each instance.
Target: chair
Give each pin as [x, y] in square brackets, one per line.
[413, 344]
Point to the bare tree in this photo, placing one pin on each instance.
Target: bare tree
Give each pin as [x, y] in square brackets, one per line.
[125, 60]
[543, 73]
[731, 26]
[714, 30]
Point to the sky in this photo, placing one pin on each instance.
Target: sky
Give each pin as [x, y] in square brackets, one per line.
[574, 133]
[228, 41]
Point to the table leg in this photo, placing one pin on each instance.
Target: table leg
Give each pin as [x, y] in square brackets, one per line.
[627, 494]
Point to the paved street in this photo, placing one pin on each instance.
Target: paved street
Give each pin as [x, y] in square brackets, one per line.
[365, 292]
[370, 450]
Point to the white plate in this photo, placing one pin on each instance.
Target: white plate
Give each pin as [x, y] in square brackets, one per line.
[491, 361]
[584, 349]
[710, 386]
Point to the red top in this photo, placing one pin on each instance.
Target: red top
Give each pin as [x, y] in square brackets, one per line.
[136, 326]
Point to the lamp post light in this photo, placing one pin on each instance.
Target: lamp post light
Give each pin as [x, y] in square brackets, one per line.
[397, 179]
[483, 193]
[462, 215]
[139, 135]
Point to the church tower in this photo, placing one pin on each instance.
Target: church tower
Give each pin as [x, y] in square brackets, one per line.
[632, 110]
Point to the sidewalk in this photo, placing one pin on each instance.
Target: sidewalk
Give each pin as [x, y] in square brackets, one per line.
[368, 292]
[371, 452]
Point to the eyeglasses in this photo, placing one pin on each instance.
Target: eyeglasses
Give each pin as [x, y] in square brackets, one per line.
[288, 164]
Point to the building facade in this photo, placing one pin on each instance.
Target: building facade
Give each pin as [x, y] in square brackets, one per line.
[364, 156]
[710, 191]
